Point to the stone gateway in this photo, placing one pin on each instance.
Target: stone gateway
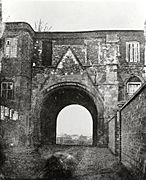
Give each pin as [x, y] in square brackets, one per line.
[43, 72]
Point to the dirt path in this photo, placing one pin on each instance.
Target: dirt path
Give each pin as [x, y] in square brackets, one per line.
[96, 162]
[93, 163]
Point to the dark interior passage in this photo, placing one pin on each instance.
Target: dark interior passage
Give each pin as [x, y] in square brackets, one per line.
[58, 98]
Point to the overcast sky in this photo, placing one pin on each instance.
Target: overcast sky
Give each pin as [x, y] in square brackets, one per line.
[78, 15]
[74, 119]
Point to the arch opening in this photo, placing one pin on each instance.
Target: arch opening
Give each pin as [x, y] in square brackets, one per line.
[74, 126]
[57, 99]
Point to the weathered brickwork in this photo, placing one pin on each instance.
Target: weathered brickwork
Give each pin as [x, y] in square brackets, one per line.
[112, 135]
[133, 133]
[91, 65]
[18, 70]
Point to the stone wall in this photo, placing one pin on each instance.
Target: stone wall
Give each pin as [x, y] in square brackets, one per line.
[93, 56]
[103, 55]
[16, 68]
[13, 133]
[112, 134]
[95, 59]
[133, 133]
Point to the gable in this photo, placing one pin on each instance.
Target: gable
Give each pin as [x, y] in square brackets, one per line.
[69, 64]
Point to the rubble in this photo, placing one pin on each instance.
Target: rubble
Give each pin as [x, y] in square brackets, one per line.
[59, 166]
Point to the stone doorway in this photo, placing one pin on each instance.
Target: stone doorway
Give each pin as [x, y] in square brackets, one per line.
[52, 99]
[58, 98]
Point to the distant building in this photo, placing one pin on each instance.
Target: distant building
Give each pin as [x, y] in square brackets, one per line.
[75, 137]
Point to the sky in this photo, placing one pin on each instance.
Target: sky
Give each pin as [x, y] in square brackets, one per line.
[78, 15]
[74, 119]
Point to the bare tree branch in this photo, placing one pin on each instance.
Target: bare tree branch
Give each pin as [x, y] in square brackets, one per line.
[40, 26]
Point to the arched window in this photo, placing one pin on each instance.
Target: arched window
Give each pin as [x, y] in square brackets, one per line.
[133, 85]
[7, 90]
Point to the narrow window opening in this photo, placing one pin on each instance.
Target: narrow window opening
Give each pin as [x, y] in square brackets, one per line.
[7, 90]
[132, 52]
[8, 43]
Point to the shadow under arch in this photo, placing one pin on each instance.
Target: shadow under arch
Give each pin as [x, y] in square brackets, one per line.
[58, 97]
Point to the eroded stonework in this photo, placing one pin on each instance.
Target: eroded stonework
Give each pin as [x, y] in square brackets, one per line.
[92, 66]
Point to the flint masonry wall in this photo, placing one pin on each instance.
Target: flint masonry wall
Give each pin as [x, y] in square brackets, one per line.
[133, 132]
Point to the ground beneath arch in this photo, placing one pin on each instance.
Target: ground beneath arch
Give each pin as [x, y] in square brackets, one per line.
[93, 163]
